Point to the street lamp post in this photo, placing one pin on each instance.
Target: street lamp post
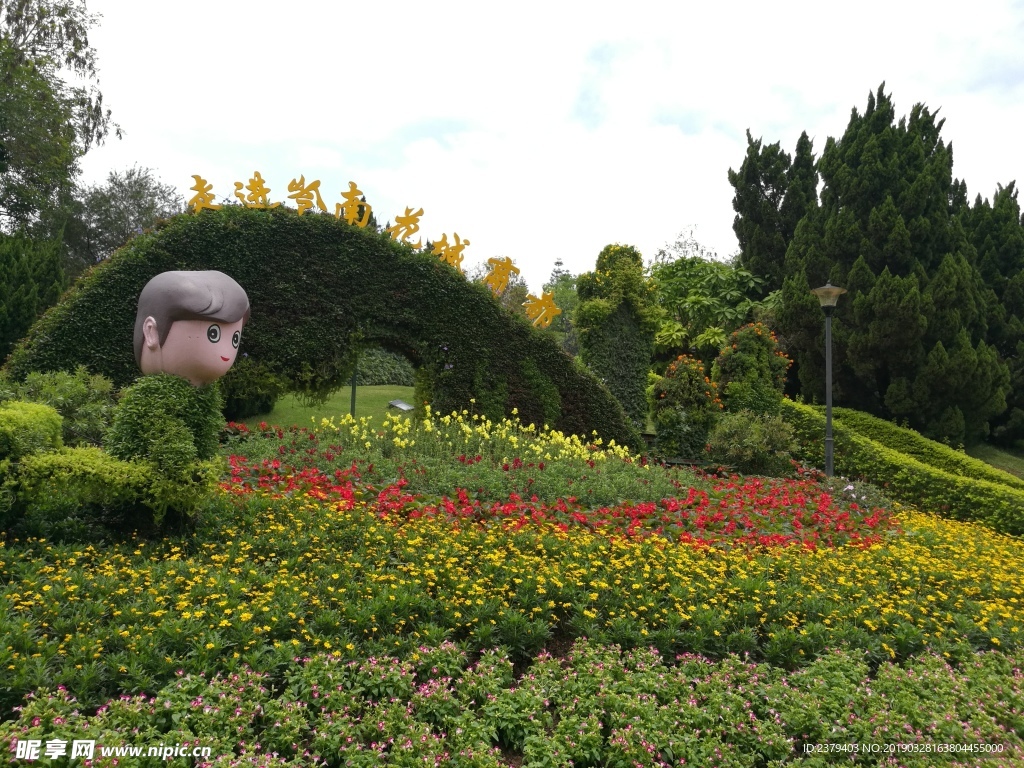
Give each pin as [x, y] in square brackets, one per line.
[828, 295]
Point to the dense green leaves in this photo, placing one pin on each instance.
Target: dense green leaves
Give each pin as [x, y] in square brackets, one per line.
[46, 124]
[31, 279]
[921, 333]
[773, 193]
[615, 321]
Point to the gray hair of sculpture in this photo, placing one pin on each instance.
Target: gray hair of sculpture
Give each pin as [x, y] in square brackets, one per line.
[172, 296]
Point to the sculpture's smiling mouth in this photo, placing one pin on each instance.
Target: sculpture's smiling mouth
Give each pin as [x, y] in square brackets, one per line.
[225, 359]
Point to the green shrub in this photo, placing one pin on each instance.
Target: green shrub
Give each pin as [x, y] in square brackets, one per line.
[756, 444]
[912, 443]
[85, 401]
[84, 493]
[905, 478]
[26, 428]
[249, 389]
[684, 404]
[378, 367]
[69, 494]
[141, 424]
[751, 370]
[8, 388]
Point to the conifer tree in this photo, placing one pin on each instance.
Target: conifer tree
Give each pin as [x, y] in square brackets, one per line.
[772, 195]
[31, 280]
[921, 333]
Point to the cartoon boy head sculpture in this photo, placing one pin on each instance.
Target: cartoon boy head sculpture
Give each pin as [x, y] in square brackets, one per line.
[189, 324]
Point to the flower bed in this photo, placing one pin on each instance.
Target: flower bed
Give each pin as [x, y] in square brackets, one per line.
[441, 537]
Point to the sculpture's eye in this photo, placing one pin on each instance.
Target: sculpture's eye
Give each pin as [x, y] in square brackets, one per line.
[235, 338]
[213, 333]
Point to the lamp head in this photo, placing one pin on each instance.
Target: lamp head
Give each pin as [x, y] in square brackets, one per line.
[828, 295]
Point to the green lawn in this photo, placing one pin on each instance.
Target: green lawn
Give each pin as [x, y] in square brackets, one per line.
[370, 401]
[1011, 461]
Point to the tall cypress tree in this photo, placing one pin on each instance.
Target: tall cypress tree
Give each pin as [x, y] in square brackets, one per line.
[996, 231]
[894, 228]
[772, 195]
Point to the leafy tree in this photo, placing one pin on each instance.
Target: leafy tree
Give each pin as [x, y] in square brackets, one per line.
[104, 217]
[616, 322]
[31, 280]
[38, 156]
[47, 124]
[562, 284]
[701, 301]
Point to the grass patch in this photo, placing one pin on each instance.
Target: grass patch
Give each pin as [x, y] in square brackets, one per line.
[371, 401]
[1007, 460]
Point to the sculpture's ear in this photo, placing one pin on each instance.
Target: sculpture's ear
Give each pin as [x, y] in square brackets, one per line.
[150, 334]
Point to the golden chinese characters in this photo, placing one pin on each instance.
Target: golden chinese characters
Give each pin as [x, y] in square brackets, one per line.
[258, 192]
[303, 194]
[450, 254]
[541, 310]
[409, 224]
[349, 210]
[202, 198]
[501, 270]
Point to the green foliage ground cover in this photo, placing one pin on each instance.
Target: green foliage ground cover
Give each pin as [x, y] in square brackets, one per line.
[597, 706]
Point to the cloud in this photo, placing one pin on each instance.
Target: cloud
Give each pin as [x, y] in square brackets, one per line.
[540, 131]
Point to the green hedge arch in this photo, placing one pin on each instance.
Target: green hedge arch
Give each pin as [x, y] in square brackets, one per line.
[320, 289]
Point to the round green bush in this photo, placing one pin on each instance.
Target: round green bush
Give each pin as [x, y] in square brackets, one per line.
[26, 428]
[250, 388]
[378, 367]
[164, 417]
[755, 443]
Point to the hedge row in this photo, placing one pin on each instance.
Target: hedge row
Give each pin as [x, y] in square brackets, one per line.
[904, 477]
[912, 443]
[320, 289]
[378, 367]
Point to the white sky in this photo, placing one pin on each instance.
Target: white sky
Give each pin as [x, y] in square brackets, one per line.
[541, 130]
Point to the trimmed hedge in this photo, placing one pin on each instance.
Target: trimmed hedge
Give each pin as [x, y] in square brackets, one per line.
[912, 443]
[320, 288]
[26, 428]
[378, 367]
[77, 494]
[903, 477]
[615, 322]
